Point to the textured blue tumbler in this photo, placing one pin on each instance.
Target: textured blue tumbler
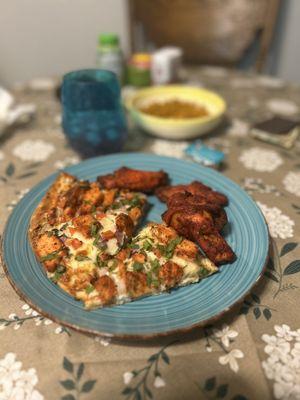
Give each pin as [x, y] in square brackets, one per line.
[93, 119]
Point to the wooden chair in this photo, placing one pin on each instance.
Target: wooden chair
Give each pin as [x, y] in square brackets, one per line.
[216, 32]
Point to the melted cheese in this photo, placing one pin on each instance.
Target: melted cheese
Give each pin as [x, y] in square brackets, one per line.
[190, 269]
[109, 223]
[112, 246]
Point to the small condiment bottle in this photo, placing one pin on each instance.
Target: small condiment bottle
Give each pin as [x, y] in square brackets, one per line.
[138, 70]
[166, 65]
[109, 55]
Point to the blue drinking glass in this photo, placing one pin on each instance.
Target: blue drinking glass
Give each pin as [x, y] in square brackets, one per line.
[92, 117]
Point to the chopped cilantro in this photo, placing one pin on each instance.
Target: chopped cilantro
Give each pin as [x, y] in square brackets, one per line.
[50, 256]
[123, 202]
[61, 269]
[152, 281]
[94, 208]
[155, 283]
[137, 266]
[147, 245]
[64, 227]
[55, 277]
[136, 201]
[154, 264]
[133, 246]
[81, 257]
[203, 272]
[168, 250]
[172, 245]
[120, 203]
[162, 249]
[149, 279]
[100, 263]
[97, 237]
[94, 228]
[89, 289]
[87, 202]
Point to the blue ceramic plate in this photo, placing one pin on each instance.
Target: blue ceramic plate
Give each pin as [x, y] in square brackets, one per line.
[183, 308]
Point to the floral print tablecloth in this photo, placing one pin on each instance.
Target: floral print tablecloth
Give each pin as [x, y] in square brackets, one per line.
[252, 353]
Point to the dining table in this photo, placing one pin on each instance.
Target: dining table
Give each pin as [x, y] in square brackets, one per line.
[251, 352]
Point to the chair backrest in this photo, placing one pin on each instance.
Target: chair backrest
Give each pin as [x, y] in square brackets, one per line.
[209, 31]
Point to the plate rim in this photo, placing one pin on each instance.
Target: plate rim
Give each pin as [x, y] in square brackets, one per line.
[126, 336]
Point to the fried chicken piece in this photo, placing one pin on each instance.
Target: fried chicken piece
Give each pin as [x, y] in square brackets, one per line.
[136, 283]
[83, 224]
[199, 226]
[199, 202]
[50, 251]
[77, 200]
[164, 193]
[107, 289]
[186, 220]
[133, 179]
[216, 248]
[125, 224]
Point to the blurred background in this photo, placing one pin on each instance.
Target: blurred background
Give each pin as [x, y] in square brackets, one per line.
[50, 37]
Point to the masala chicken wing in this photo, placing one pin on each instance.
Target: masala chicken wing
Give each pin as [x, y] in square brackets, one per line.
[216, 248]
[199, 203]
[196, 188]
[133, 179]
[196, 212]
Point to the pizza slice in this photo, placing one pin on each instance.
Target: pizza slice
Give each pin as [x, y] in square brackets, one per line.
[78, 224]
[155, 261]
[164, 193]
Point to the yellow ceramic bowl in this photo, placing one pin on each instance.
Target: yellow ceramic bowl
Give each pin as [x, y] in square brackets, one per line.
[172, 128]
